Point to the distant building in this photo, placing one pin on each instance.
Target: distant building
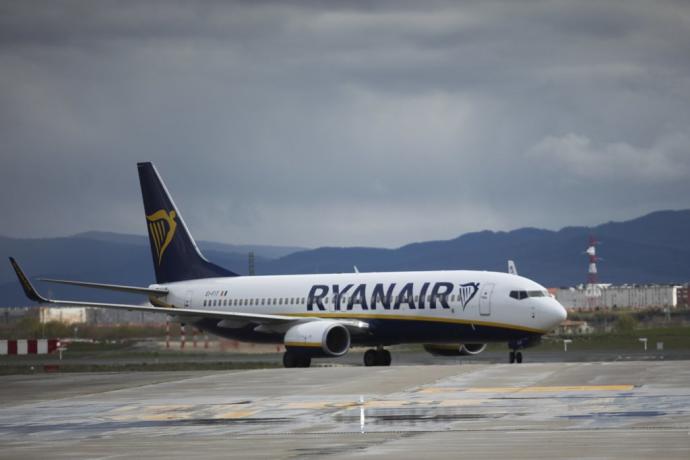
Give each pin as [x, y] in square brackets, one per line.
[637, 296]
[569, 327]
[65, 315]
[117, 316]
[684, 296]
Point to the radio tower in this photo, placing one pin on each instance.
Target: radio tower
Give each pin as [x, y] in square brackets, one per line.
[592, 291]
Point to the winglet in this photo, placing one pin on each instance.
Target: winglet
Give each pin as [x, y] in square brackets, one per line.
[29, 290]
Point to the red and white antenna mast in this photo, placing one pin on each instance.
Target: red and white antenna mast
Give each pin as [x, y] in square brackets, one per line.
[591, 251]
[592, 291]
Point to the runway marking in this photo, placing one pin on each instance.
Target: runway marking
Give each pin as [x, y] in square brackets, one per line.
[235, 414]
[462, 402]
[535, 389]
[382, 404]
[320, 405]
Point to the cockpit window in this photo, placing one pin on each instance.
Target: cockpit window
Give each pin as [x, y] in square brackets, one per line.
[519, 295]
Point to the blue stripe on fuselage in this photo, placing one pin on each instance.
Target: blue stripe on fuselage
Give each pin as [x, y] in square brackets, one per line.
[389, 332]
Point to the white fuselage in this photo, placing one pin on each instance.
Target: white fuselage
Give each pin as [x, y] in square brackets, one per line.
[401, 307]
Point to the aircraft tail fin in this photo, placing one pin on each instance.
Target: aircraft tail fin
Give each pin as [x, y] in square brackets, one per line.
[176, 256]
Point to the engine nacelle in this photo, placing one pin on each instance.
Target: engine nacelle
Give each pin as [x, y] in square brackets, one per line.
[454, 349]
[319, 338]
[472, 348]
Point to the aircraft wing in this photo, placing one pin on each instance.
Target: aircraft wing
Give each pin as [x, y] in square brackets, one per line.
[232, 317]
[111, 287]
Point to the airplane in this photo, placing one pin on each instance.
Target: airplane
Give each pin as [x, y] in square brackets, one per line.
[452, 313]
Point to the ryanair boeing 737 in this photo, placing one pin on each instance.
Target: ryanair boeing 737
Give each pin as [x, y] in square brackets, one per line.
[450, 312]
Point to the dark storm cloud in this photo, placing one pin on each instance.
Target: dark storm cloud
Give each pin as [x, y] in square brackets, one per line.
[361, 123]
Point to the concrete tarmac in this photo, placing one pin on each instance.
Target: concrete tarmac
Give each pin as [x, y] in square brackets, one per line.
[535, 410]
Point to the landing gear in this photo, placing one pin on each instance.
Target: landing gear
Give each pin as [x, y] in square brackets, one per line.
[515, 356]
[294, 359]
[378, 357]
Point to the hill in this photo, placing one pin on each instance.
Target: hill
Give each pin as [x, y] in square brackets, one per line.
[651, 249]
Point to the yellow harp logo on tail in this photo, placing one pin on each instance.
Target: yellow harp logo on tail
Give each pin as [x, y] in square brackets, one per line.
[162, 228]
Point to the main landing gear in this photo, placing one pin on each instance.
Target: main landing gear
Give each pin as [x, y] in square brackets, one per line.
[378, 357]
[515, 357]
[293, 359]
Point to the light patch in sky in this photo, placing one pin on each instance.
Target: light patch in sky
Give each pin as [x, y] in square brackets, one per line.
[354, 123]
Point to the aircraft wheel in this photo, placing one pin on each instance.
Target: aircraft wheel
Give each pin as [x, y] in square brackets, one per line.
[383, 358]
[304, 361]
[518, 357]
[290, 359]
[370, 358]
[511, 357]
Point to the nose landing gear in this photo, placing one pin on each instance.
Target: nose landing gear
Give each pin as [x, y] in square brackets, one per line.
[515, 356]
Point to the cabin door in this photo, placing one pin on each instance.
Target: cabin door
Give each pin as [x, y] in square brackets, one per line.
[485, 292]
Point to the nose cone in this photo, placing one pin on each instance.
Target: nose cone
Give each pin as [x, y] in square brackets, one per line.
[559, 313]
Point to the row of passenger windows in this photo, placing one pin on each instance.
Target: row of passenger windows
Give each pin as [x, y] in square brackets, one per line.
[264, 301]
[519, 295]
[344, 300]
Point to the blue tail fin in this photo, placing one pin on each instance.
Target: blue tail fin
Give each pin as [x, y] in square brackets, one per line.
[176, 256]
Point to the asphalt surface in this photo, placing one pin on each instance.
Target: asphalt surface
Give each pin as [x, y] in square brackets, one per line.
[627, 409]
[353, 358]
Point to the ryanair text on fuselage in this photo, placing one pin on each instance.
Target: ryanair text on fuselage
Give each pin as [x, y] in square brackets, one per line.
[387, 298]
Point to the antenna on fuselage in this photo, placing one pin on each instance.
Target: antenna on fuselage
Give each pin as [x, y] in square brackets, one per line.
[512, 269]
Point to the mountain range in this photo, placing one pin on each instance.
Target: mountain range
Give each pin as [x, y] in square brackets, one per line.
[654, 248]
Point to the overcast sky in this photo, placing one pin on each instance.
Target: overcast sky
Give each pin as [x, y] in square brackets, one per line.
[343, 123]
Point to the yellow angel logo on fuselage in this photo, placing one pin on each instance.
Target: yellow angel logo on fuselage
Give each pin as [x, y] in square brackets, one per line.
[162, 228]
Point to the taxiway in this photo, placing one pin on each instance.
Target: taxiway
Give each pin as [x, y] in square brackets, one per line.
[536, 410]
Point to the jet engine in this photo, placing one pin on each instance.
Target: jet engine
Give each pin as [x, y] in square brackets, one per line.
[318, 338]
[454, 349]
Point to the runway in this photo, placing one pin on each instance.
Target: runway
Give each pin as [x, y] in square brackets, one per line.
[535, 410]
